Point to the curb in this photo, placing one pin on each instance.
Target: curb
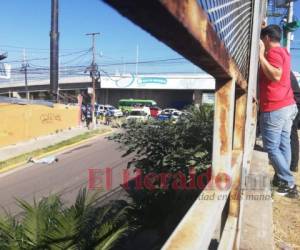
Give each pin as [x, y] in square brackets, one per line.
[16, 165]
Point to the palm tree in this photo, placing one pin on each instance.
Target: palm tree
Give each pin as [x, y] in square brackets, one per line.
[49, 224]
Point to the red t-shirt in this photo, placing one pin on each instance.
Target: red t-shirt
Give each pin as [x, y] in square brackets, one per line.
[276, 95]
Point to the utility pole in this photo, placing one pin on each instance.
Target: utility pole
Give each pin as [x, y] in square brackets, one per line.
[94, 74]
[25, 65]
[289, 20]
[54, 50]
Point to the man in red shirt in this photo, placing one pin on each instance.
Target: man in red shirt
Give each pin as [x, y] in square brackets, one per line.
[277, 106]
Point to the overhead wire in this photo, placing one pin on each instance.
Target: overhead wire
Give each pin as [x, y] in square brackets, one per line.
[45, 58]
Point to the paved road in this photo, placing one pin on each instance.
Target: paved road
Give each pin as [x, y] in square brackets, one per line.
[66, 176]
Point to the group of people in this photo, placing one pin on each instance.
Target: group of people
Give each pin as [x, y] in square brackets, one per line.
[279, 99]
[87, 115]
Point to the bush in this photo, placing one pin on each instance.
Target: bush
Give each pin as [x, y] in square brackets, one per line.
[169, 148]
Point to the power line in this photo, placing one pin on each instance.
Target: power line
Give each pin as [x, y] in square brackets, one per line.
[76, 58]
[45, 58]
[19, 47]
[163, 61]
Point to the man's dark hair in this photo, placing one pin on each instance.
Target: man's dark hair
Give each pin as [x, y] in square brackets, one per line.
[272, 31]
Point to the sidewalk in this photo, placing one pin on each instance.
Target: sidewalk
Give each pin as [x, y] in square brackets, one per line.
[272, 223]
[257, 217]
[11, 151]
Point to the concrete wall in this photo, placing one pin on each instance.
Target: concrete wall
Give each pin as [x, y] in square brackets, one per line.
[23, 122]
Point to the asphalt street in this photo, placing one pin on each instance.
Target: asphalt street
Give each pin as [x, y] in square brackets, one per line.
[66, 176]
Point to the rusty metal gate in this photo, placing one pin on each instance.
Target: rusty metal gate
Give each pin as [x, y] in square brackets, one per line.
[221, 37]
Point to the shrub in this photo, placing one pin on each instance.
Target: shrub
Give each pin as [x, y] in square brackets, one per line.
[167, 147]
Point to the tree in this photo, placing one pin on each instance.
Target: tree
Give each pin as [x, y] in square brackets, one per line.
[49, 224]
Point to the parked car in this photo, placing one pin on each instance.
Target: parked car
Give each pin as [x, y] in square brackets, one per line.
[155, 111]
[175, 115]
[105, 109]
[115, 112]
[147, 110]
[169, 111]
[169, 114]
[163, 117]
[137, 114]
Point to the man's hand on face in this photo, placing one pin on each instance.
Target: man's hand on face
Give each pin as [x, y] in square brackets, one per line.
[262, 49]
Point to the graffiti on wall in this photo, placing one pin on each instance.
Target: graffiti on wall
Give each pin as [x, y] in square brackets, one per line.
[47, 118]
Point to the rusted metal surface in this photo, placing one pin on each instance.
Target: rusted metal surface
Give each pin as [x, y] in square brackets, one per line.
[228, 236]
[227, 239]
[197, 227]
[239, 119]
[238, 144]
[234, 205]
[184, 26]
[223, 126]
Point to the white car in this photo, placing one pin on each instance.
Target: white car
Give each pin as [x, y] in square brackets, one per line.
[137, 114]
[116, 112]
[176, 114]
[105, 109]
[170, 111]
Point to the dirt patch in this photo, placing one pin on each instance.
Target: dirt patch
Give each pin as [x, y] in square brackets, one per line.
[286, 219]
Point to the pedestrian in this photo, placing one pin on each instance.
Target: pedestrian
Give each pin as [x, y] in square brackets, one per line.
[88, 116]
[294, 132]
[108, 116]
[83, 112]
[277, 108]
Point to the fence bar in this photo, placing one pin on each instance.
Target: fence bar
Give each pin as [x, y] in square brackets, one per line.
[239, 120]
[251, 110]
[228, 236]
[223, 127]
[229, 232]
[223, 134]
[197, 227]
[227, 242]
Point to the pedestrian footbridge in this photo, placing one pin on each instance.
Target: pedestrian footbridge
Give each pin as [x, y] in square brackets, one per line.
[222, 38]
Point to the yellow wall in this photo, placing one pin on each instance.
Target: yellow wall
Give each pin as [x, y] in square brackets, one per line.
[23, 122]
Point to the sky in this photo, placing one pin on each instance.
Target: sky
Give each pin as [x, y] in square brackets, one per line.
[26, 24]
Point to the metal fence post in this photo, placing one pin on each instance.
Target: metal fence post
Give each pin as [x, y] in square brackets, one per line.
[223, 127]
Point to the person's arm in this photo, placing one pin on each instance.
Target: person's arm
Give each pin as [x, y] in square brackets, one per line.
[271, 72]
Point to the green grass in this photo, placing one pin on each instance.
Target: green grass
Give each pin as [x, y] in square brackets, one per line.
[24, 157]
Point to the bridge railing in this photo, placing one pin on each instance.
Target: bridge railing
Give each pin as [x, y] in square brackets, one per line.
[222, 38]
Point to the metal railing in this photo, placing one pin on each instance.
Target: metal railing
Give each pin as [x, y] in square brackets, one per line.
[232, 22]
[222, 38]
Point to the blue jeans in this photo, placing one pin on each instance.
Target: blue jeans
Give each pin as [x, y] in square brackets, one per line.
[276, 130]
